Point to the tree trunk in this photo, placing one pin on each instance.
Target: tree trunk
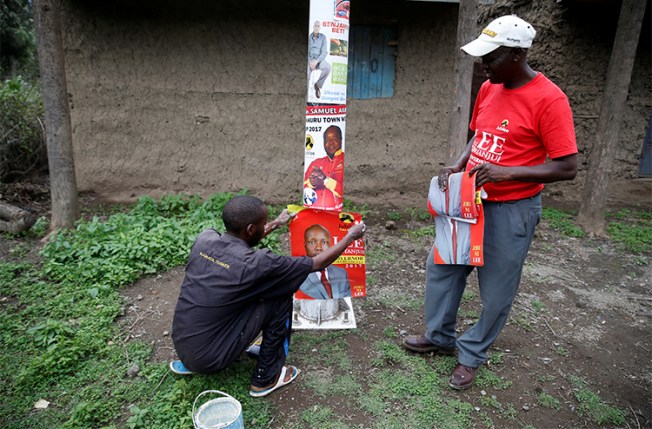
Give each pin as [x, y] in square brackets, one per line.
[458, 125]
[15, 220]
[49, 46]
[619, 73]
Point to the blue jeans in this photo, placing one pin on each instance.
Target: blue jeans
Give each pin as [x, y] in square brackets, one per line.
[508, 232]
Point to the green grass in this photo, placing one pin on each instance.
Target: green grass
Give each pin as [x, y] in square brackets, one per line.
[547, 378]
[424, 231]
[509, 412]
[322, 417]
[548, 401]
[350, 206]
[634, 237]
[402, 384]
[389, 332]
[562, 351]
[496, 358]
[537, 305]
[521, 320]
[396, 298]
[631, 229]
[490, 401]
[590, 405]
[380, 253]
[418, 214]
[468, 296]
[487, 378]
[563, 222]
[394, 215]
[58, 339]
[325, 384]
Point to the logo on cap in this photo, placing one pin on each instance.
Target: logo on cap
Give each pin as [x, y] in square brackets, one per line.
[489, 33]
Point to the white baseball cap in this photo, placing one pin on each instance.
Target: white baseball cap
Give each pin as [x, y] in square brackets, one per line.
[508, 30]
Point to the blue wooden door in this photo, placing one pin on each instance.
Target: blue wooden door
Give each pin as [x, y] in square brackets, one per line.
[372, 55]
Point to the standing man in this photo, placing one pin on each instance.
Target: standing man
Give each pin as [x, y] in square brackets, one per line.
[330, 283]
[317, 52]
[520, 119]
[231, 292]
[326, 175]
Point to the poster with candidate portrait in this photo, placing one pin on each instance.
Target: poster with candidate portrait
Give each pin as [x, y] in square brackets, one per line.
[328, 52]
[327, 71]
[324, 300]
[323, 174]
[312, 232]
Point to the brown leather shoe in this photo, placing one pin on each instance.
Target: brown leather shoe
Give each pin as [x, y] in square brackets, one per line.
[317, 91]
[419, 344]
[463, 377]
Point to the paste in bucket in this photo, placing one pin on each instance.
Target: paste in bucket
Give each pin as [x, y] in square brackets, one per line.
[220, 413]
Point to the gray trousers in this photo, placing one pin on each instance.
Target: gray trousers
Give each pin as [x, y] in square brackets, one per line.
[508, 232]
[325, 68]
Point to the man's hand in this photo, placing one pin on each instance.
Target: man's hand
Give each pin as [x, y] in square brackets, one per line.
[357, 230]
[284, 217]
[443, 176]
[328, 256]
[317, 178]
[490, 173]
[313, 64]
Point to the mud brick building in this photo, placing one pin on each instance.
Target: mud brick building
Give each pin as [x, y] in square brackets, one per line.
[203, 96]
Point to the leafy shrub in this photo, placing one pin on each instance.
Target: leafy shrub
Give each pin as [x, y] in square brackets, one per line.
[22, 140]
[18, 53]
[57, 332]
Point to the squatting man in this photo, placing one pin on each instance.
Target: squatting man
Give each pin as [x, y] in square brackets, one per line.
[231, 292]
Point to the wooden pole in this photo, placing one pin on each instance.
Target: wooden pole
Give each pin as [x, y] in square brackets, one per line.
[458, 125]
[49, 47]
[619, 74]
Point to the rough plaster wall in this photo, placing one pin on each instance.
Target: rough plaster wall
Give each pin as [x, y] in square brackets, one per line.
[395, 145]
[164, 105]
[204, 99]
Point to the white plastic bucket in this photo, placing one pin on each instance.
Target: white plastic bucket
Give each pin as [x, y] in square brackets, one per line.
[224, 412]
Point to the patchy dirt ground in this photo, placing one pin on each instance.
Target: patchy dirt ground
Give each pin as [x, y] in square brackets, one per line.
[584, 308]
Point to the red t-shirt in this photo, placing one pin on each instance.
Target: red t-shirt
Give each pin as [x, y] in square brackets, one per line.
[520, 127]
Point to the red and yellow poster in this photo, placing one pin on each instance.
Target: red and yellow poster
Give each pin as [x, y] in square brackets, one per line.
[312, 232]
[323, 177]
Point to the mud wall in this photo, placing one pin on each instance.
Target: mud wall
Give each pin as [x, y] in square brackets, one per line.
[210, 96]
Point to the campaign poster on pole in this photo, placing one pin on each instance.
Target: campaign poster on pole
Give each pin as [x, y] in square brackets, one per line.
[324, 299]
[327, 68]
[323, 176]
[328, 51]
